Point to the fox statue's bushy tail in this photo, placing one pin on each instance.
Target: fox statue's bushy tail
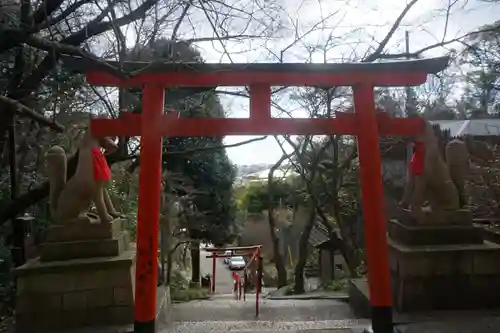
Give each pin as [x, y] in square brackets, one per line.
[56, 165]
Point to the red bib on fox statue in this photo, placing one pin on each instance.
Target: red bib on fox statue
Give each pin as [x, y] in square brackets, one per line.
[102, 172]
[417, 159]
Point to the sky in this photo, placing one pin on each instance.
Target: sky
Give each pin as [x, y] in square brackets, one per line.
[425, 23]
[353, 26]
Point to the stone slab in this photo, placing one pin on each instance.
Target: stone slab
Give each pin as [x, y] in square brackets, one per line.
[163, 317]
[447, 277]
[444, 277]
[360, 304]
[434, 234]
[489, 233]
[85, 248]
[455, 217]
[83, 230]
[57, 296]
[63, 321]
[359, 298]
[428, 260]
[35, 267]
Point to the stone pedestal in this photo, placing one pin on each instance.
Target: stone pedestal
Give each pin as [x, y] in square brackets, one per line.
[413, 235]
[438, 267]
[81, 239]
[444, 277]
[84, 277]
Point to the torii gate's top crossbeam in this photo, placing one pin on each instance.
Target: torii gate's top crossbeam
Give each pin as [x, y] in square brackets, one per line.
[260, 78]
[395, 73]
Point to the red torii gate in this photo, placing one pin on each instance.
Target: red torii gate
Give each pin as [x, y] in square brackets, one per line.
[253, 252]
[365, 123]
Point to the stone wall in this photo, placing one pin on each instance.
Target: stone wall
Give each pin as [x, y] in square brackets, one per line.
[445, 277]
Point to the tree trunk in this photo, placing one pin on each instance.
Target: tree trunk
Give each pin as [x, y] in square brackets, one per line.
[166, 244]
[298, 287]
[278, 259]
[168, 274]
[348, 248]
[195, 263]
[332, 262]
[184, 255]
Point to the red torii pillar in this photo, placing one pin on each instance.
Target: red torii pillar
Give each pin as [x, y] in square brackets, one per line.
[365, 123]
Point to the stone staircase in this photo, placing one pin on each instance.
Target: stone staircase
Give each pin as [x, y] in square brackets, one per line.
[223, 313]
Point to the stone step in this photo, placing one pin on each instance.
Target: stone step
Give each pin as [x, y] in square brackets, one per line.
[85, 248]
[282, 310]
[83, 230]
[342, 325]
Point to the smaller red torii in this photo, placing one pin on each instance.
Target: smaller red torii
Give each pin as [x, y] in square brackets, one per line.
[365, 123]
[254, 252]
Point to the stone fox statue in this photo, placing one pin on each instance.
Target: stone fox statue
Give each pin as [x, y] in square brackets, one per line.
[429, 178]
[432, 179]
[71, 200]
[457, 158]
[459, 152]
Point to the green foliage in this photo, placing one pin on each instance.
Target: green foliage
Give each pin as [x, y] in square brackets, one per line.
[337, 285]
[190, 294]
[178, 280]
[7, 280]
[482, 54]
[180, 290]
[208, 174]
[126, 202]
[256, 197]
[312, 258]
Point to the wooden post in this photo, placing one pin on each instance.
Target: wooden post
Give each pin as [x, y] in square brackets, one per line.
[148, 213]
[245, 285]
[257, 284]
[214, 263]
[377, 252]
[21, 226]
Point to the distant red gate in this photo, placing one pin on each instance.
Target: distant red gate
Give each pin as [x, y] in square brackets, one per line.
[253, 252]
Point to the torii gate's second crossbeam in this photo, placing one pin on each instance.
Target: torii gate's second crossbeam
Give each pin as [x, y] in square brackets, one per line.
[365, 123]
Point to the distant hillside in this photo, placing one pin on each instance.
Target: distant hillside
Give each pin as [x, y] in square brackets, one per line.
[260, 172]
[251, 168]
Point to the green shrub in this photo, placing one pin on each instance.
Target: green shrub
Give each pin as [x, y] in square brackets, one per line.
[336, 285]
[190, 294]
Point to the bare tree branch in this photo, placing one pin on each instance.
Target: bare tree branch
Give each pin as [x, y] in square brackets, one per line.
[58, 48]
[380, 48]
[418, 53]
[23, 110]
